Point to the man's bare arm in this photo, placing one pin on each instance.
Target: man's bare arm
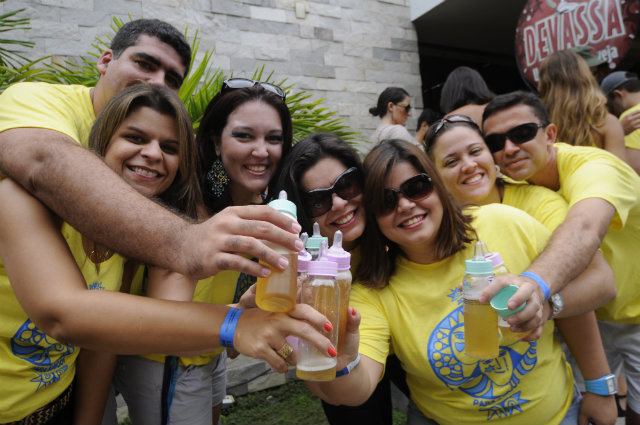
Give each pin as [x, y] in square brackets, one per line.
[81, 189]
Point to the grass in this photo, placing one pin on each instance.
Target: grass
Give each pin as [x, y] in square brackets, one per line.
[287, 404]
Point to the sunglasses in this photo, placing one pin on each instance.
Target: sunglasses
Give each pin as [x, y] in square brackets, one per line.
[415, 188]
[520, 134]
[348, 185]
[453, 119]
[243, 83]
[407, 107]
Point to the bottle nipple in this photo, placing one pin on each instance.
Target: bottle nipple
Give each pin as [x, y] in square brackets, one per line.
[480, 251]
[316, 230]
[304, 237]
[282, 195]
[337, 242]
[324, 248]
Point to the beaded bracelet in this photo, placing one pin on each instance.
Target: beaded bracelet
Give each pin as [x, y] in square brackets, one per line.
[541, 283]
[348, 368]
[228, 328]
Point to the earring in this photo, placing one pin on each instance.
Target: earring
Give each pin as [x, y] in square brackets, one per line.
[498, 169]
[218, 178]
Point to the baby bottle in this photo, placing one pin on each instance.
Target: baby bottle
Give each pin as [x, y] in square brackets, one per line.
[277, 292]
[480, 319]
[507, 336]
[303, 260]
[321, 292]
[343, 259]
[313, 243]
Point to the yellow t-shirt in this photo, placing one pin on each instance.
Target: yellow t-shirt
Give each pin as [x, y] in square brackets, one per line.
[64, 108]
[632, 140]
[420, 315]
[541, 203]
[35, 368]
[595, 173]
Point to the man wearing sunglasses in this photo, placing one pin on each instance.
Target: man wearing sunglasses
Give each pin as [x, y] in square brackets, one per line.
[603, 195]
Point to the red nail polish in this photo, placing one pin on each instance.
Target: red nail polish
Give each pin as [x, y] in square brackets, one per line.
[353, 311]
[332, 351]
[328, 327]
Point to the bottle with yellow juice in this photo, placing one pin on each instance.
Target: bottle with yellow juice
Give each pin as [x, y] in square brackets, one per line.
[480, 319]
[321, 292]
[277, 292]
[342, 258]
[507, 336]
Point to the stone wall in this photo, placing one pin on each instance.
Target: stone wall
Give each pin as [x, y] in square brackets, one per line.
[345, 51]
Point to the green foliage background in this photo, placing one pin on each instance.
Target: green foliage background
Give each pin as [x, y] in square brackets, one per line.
[202, 83]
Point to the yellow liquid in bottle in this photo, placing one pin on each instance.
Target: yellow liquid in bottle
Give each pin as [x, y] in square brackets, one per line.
[480, 330]
[312, 364]
[277, 292]
[344, 284]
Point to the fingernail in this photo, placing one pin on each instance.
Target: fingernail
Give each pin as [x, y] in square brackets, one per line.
[299, 245]
[295, 226]
[283, 262]
[353, 311]
[328, 326]
[266, 271]
[332, 351]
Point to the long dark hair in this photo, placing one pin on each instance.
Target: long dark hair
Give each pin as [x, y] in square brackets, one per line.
[455, 230]
[213, 122]
[305, 155]
[464, 86]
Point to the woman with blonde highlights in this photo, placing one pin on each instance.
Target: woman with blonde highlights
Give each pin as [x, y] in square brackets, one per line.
[577, 105]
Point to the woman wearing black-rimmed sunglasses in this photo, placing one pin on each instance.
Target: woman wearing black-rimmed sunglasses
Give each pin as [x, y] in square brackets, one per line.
[414, 253]
[323, 176]
[393, 108]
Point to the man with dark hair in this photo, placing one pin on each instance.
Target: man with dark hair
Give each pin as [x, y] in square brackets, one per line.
[426, 118]
[603, 193]
[622, 89]
[41, 126]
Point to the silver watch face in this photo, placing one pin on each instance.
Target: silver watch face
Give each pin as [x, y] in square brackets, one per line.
[557, 303]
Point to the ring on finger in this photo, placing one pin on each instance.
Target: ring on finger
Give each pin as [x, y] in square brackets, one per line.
[285, 351]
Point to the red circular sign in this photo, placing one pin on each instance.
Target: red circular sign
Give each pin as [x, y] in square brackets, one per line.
[546, 26]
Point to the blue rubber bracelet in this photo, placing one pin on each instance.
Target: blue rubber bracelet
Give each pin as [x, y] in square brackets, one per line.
[228, 328]
[541, 283]
[348, 368]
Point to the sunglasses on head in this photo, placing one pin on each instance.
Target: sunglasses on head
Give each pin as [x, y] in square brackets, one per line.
[519, 134]
[415, 188]
[406, 106]
[453, 119]
[243, 83]
[348, 185]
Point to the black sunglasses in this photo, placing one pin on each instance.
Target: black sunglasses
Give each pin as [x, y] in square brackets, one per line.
[243, 83]
[519, 134]
[348, 185]
[415, 188]
[407, 107]
[453, 119]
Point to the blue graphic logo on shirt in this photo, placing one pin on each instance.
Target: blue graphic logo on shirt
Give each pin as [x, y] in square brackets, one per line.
[96, 285]
[34, 346]
[491, 383]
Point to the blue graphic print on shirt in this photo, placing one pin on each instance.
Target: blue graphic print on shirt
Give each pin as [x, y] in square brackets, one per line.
[34, 346]
[492, 384]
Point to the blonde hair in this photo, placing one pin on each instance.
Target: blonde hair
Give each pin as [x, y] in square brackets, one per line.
[572, 97]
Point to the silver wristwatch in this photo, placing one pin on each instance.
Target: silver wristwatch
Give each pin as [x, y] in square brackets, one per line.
[557, 304]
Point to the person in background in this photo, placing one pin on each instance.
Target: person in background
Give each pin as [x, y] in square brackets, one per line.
[393, 108]
[465, 93]
[576, 104]
[622, 90]
[427, 117]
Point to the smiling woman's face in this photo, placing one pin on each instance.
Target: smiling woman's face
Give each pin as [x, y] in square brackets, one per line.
[344, 215]
[144, 151]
